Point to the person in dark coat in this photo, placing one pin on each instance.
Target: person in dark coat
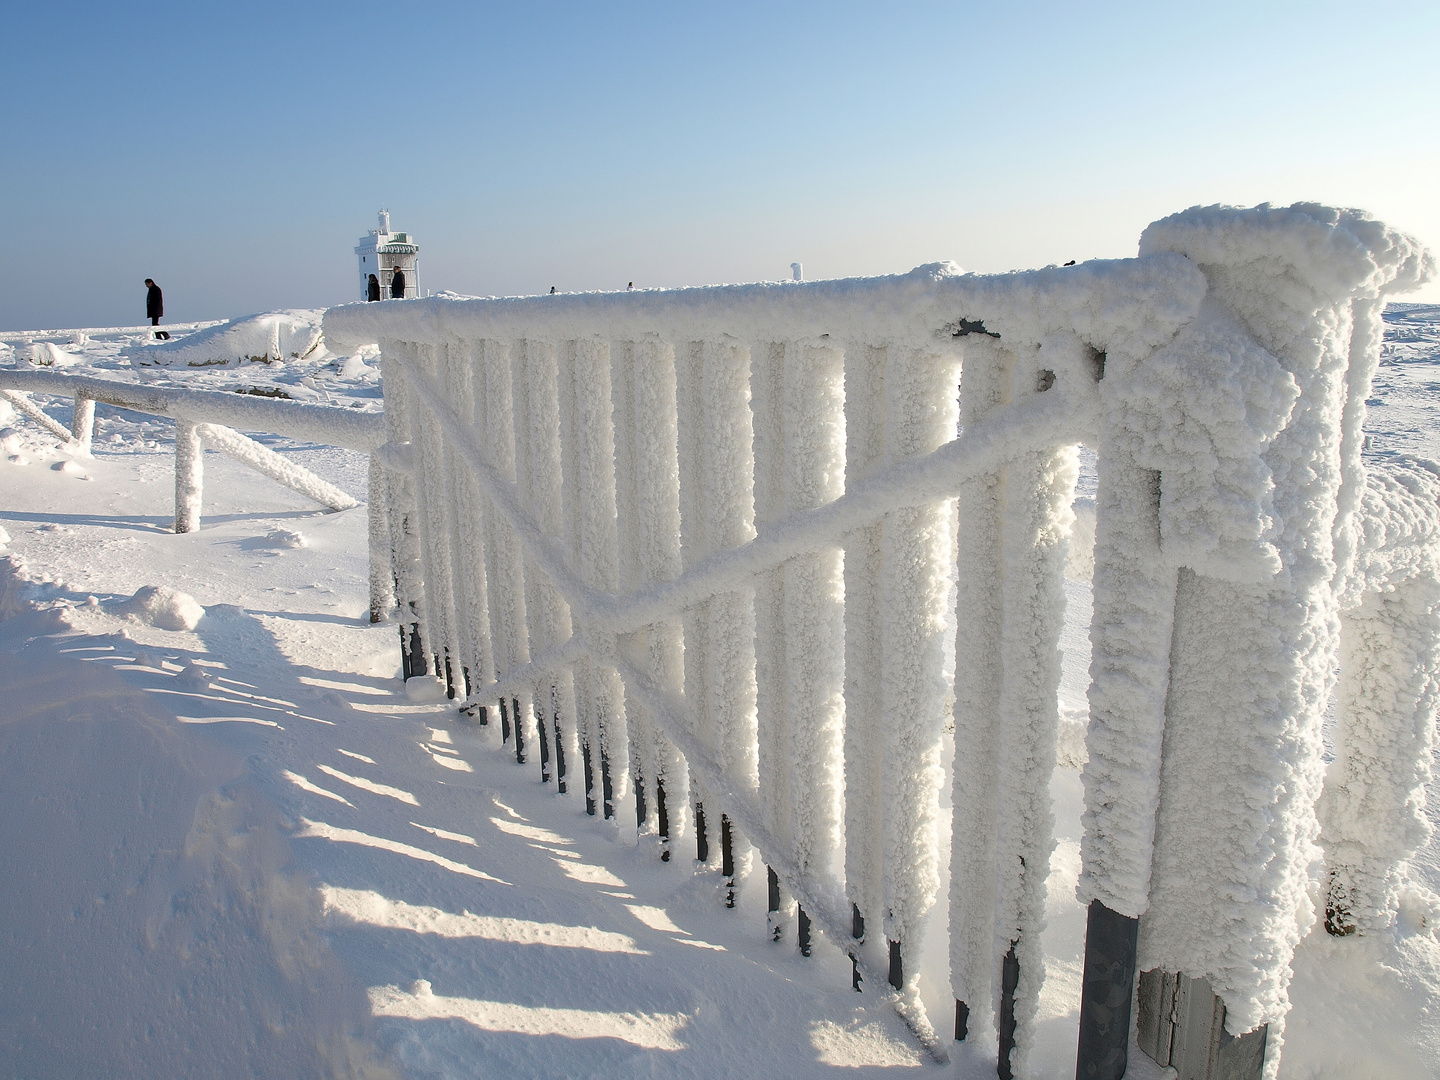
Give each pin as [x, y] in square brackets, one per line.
[397, 285]
[373, 290]
[155, 307]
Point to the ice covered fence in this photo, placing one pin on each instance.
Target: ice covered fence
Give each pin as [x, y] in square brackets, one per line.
[747, 549]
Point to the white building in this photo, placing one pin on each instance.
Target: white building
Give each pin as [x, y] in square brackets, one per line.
[382, 253]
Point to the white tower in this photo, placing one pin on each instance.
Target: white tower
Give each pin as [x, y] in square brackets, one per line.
[382, 253]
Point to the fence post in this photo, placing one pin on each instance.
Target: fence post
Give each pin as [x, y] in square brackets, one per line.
[382, 576]
[82, 422]
[189, 475]
[1105, 994]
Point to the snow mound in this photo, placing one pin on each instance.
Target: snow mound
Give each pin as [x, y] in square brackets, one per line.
[47, 354]
[264, 339]
[71, 468]
[286, 538]
[163, 607]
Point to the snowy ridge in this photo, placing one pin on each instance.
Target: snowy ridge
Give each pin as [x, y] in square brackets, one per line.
[702, 542]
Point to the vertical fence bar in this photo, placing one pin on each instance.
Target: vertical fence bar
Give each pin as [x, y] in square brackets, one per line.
[692, 503]
[468, 543]
[657, 473]
[639, 724]
[730, 522]
[593, 439]
[984, 386]
[547, 613]
[189, 475]
[377, 520]
[920, 395]
[82, 422]
[771, 653]
[404, 530]
[429, 447]
[1039, 492]
[865, 713]
[814, 612]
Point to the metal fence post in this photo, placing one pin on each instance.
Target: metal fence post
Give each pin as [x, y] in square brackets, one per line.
[1105, 994]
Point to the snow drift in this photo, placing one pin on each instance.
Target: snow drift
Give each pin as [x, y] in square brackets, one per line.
[267, 338]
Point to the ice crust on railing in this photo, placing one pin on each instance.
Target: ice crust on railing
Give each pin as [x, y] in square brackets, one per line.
[1241, 688]
[330, 426]
[728, 540]
[1372, 811]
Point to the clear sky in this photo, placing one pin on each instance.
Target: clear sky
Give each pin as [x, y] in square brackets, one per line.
[236, 152]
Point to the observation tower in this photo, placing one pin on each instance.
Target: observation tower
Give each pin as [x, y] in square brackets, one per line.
[382, 253]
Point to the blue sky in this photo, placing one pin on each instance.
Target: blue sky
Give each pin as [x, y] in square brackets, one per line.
[235, 152]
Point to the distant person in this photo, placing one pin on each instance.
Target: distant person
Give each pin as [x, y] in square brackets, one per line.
[397, 285]
[373, 289]
[630, 286]
[552, 290]
[155, 307]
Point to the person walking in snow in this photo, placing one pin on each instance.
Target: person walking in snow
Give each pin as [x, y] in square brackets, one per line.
[397, 285]
[372, 291]
[155, 307]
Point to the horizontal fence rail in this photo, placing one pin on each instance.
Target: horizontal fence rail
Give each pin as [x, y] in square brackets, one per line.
[739, 556]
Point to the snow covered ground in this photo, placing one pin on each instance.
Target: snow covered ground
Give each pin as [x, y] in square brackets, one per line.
[241, 850]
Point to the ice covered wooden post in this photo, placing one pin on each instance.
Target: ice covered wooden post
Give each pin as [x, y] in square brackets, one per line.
[1222, 476]
[82, 422]
[189, 475]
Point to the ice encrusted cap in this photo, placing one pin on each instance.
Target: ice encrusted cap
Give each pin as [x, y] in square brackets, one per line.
[1336, 253]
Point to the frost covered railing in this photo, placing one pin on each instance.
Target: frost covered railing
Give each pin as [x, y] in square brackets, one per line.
[724, 549]
[204, 417]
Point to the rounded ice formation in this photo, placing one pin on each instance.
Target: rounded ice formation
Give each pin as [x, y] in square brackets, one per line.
[163, 607]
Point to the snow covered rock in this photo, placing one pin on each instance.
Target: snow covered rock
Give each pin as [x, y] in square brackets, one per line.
[163, 607]
[265, 338]
[47, 354]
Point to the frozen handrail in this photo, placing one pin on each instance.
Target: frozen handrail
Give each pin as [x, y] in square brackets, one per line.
[325, 424]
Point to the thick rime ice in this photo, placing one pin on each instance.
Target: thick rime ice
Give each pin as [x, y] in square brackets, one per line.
[1219, 624]
[1372, 810]
[748, 544]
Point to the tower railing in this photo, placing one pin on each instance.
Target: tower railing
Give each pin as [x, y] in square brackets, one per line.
[738, 556]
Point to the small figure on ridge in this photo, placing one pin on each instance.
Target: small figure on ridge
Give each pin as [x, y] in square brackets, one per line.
[373, 288]
[397, 285]
[155, 307]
